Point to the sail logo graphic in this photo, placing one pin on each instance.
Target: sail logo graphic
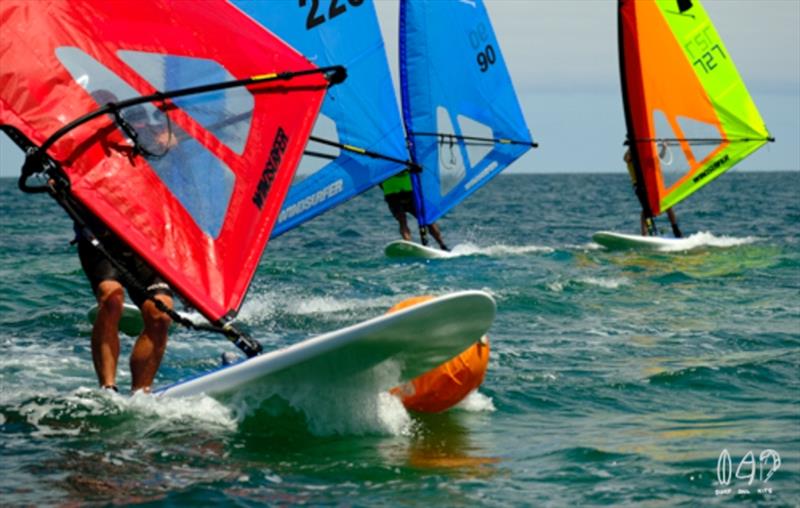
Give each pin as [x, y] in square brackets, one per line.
[711, 168]
[313, 200]
[769, 461]
[274, 162]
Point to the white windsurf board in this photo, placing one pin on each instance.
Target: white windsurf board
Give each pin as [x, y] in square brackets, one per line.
[621, 241]
[418, 338]
[406, 249]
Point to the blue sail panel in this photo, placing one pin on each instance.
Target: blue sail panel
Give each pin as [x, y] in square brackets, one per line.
[199, 180]
[459, 105]
[363, 110]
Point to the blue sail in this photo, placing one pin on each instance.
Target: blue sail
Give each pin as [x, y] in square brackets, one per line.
[362, 112]
[462, 118]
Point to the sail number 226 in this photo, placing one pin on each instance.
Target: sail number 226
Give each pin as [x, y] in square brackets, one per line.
[335, 8]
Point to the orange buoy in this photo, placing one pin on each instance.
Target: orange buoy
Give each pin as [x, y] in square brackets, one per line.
[446, 385]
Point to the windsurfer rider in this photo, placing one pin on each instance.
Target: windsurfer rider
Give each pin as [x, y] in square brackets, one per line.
[107, 282]
[398, 195]
[644, 220]
[152, 139]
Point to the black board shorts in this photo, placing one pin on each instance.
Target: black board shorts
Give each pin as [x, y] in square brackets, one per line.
[401, 202]
[98, 268]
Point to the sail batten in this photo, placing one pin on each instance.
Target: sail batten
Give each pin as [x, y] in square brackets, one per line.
[446, 135]
[700, 140]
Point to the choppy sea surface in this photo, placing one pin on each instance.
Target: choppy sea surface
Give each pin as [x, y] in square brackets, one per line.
[616, 378]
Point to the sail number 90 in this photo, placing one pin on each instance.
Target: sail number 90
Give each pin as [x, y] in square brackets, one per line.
[335, 8]
[486, 58]
[477, 40]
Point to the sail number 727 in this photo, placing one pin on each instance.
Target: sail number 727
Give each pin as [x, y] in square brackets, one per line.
[704, 50]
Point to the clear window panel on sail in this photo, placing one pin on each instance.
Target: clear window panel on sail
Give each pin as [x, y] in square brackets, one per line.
[200, 181]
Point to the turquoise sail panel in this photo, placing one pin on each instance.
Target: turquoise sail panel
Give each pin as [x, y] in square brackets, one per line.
[361, 112]
[462, 117]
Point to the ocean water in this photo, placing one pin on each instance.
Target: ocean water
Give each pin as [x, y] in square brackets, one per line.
[616, 378]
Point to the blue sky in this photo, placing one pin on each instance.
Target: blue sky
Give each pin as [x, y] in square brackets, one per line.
[562, 56]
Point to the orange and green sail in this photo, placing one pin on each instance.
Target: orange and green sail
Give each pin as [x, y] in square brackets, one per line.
[688, 113]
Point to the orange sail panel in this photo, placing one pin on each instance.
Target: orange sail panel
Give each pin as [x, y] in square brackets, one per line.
[444, 386]
[201, 209]
[688, 113]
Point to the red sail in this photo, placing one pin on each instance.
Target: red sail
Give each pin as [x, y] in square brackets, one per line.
[201, 210]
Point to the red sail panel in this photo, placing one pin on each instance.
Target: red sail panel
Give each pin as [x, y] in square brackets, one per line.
[633, 93]
[202, 213]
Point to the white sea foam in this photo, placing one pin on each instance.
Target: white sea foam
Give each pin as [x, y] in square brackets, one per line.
[706, 239]
[609, 283]
[350, 409]
[329, 304]
[497, 250]
[477, 402]
[586, 246]
[38, 371]
[266, 306]
[259, 307]
[65, 415]
[200, 410]
[558, 286]
[357, 405]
